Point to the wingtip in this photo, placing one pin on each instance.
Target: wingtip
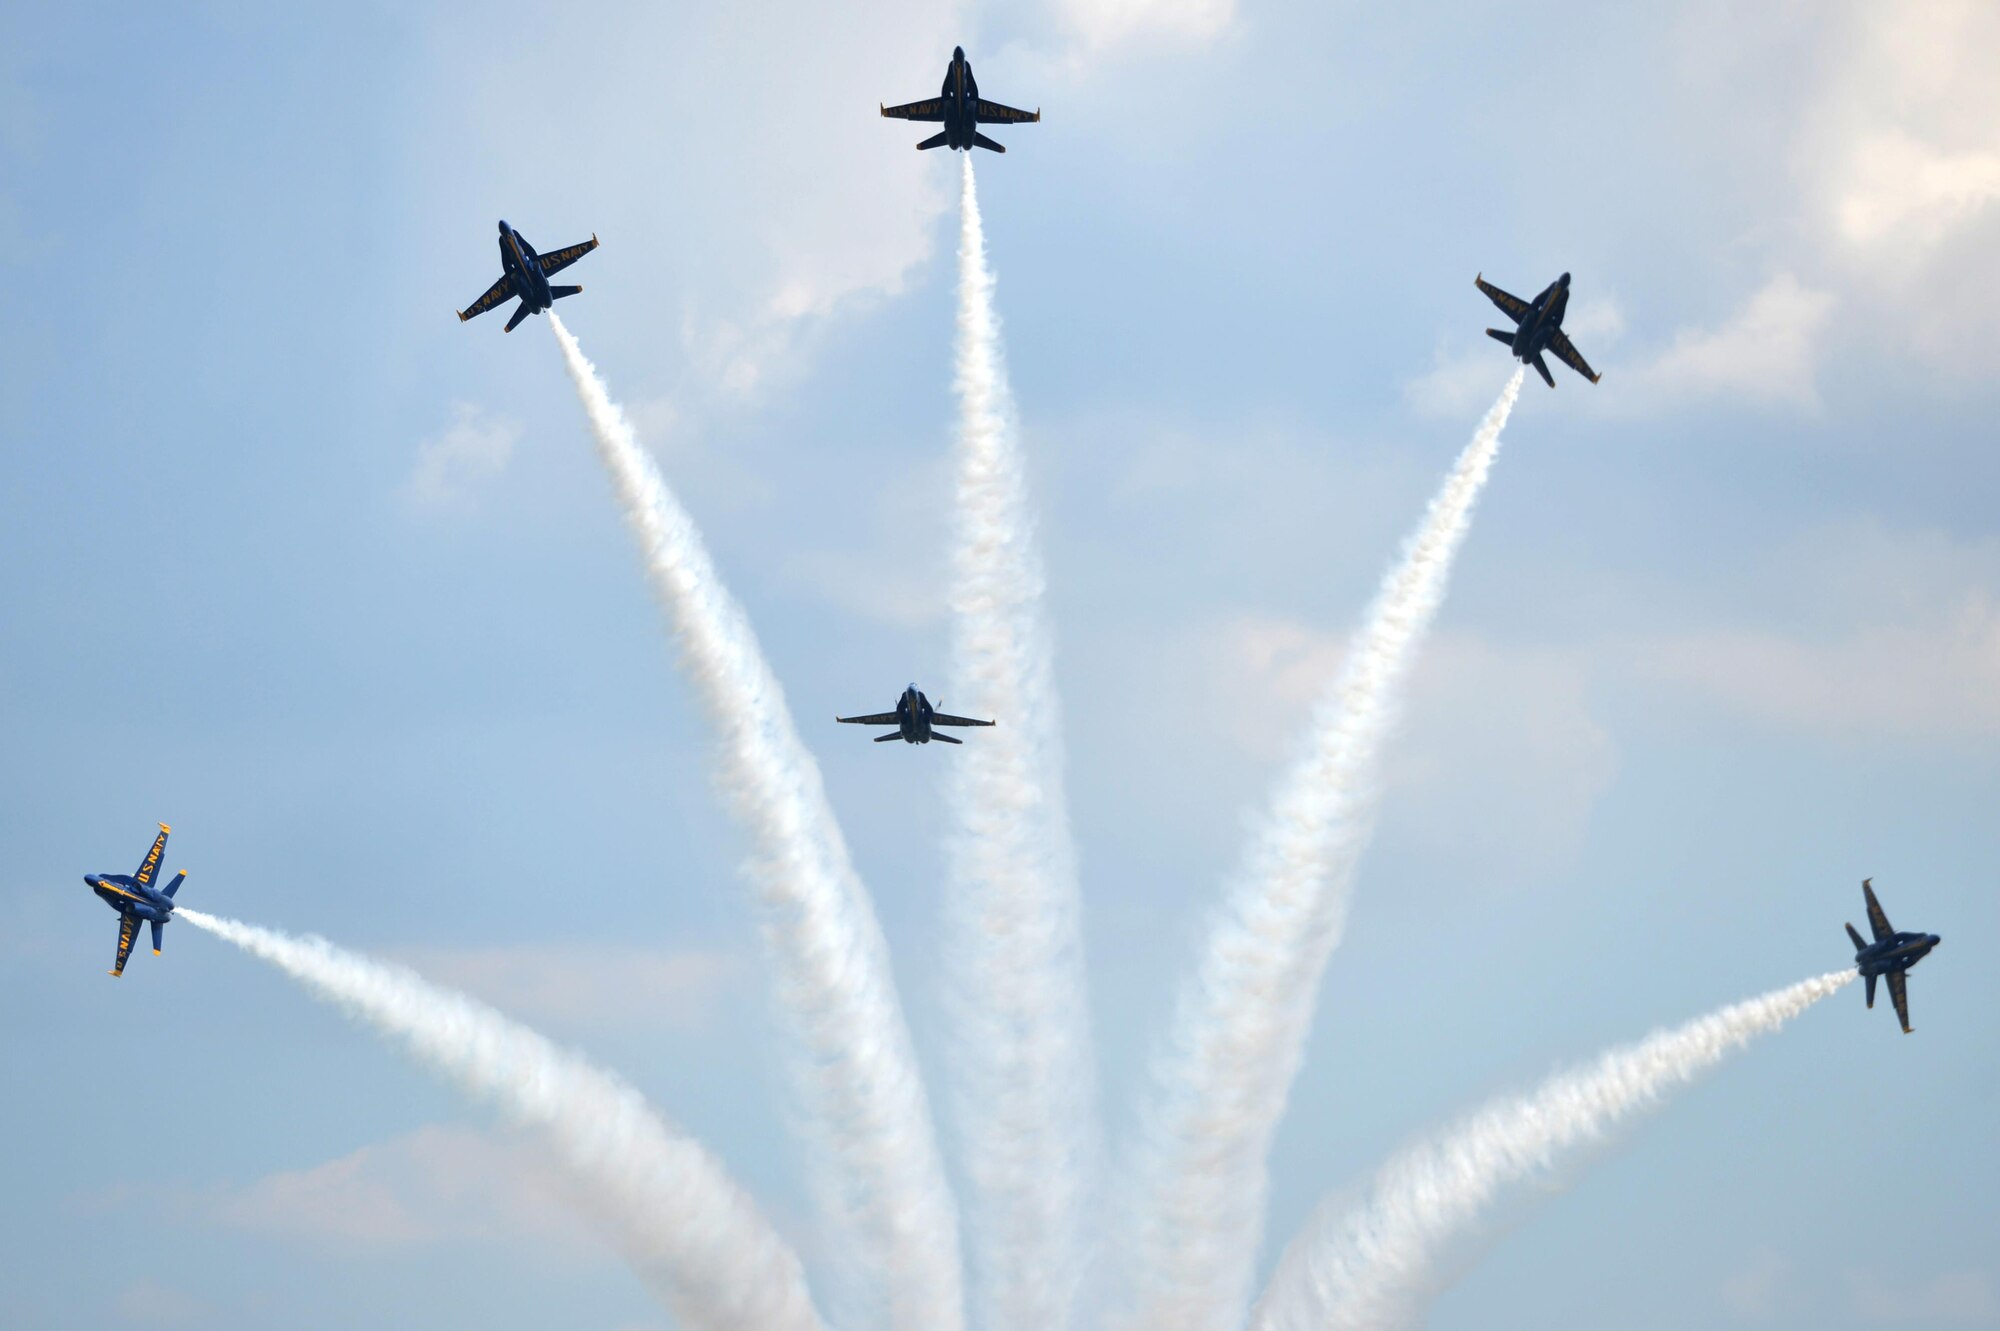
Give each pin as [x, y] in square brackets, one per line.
[116, 975]
[460, 314]
[1866, 882]
[165, 828]
[156, 952]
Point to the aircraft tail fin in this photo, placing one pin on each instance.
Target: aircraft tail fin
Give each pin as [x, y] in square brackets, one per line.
[1871, 991]
[521, 312]
[985, 142]
[934, 141]
[159, 931]
[175, 886]
[1543, 367]
[557, 293]
[884, 739]
[1855, 934]
[1499, 336]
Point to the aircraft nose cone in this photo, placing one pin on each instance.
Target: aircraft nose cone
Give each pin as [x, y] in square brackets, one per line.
[503, 226]
[1935, 940]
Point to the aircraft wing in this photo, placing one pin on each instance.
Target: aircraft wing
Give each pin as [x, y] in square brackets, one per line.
[1512, 306]
[931, 109]
[877, 719]
[1899, 990]
[499, 291]
[1878, 920]
[940, 719]
[992, 113]
[149, 868]
[558, 260]
[1567, 353]
[128, 933]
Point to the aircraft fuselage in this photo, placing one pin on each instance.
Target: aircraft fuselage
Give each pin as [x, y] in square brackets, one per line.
[913, 716]
[1545, 316]
[961, 102]
[1898, 952]
[517, 257]
[124, 895]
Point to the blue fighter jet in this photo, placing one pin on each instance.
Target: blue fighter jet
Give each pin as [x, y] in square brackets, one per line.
[135, 898]
[913, 718]
[1538, 327]
[1891, 954]
[961, 110]
[526, 274]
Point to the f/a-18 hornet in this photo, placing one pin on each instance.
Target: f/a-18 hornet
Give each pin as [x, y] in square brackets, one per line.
[962, 110]
[1891, 954]
[526, 274]
[913, 718]
[1539, 327]
[135, 898]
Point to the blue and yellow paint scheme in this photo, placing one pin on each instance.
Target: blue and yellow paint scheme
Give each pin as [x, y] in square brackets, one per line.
[526, 274]
[1537, 327]
[913, 718]
[137, 900]
[960, 108]
[1891, 954]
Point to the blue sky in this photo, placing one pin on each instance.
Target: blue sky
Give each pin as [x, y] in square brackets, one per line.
[334, 585]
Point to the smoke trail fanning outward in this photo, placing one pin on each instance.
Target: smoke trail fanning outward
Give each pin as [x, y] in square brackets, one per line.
[1240, 1027]
[881, 1175]
[1025, 1092]
[690, 1232]
[1373, 1267]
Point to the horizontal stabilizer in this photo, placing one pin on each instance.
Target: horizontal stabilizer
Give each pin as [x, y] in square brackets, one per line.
[985, 142]
[884, 739]
[1540, 365]
[557, 293]
[175, 886]
[945, 739]
[1871, 987]
[934, 141]
[521, 312]
[1499, 336]
[1855, 934]
[158, 929]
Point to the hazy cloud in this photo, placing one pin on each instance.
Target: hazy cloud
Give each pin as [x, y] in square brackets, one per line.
[587, 985]
[454, 463]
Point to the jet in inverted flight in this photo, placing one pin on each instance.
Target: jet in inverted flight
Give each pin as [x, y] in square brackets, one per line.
[136, 899]
[961, 110]
[526, 274]
[1891, 954]
[913, 718]
[1538, 327]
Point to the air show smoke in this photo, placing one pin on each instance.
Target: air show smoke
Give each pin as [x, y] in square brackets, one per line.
[1014, 953]
[880, 1172]
[1241, 1025]
[691, 1233]
[1373, 1266]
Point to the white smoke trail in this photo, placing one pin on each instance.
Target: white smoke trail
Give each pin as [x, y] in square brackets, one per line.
[1025, 1085]
[1373, 1267]
[691, 1233]
[879, 1170]
[1240, 1027]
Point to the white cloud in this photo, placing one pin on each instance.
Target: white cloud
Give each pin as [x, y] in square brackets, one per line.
[1936, 678]
[588, 986]
[452, 464]
[1767, 353]
[1499, 748]
[1953, 1298]
[148, 1302]
[1098, 24]
[1908, 193]
[432, 1186]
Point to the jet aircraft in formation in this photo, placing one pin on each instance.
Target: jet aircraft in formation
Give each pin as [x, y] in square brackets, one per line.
[913, 718]
[526, 274]
[136, 899]
[961, 110]
[1538, 327]
[1891, 954]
